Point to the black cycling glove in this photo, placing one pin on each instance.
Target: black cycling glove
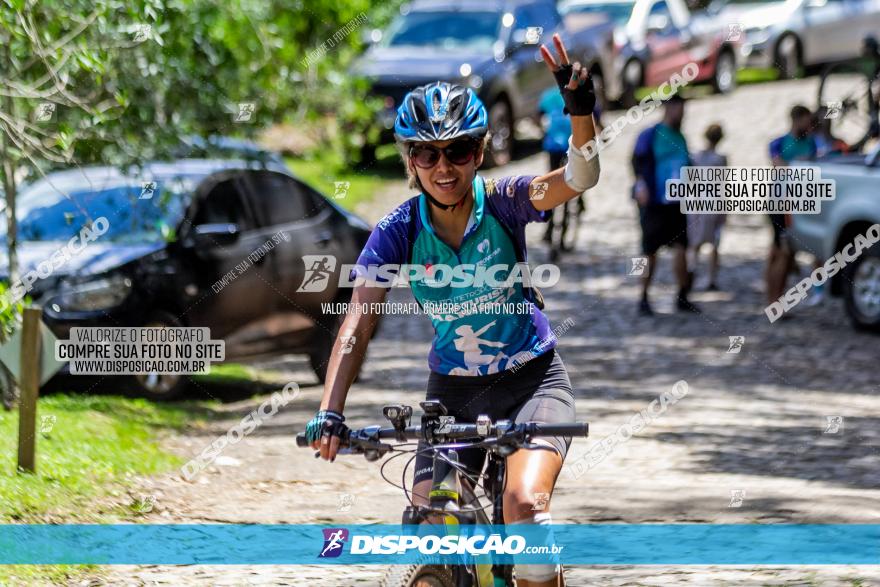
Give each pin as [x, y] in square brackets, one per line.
[580, 101]
[326, 421]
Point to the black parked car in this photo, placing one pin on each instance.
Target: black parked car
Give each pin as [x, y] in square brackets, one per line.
[163, 259]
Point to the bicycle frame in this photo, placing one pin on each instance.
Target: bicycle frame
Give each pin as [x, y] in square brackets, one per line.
[450, 490]
[476, 575]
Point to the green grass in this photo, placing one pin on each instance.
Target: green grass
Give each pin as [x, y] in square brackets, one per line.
[94, 447]
[749, 75]
[31, 575]
[228, 373]
[754, 75]
[321, 170]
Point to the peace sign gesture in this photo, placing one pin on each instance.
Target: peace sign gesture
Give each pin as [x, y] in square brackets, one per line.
[574, 81]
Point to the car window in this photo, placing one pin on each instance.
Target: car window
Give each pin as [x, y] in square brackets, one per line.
[279, 199]
[55, 209]
[619, 12]
[445, 29]
[537, 15]
[660, 8]
[224, 204]
[660, 12]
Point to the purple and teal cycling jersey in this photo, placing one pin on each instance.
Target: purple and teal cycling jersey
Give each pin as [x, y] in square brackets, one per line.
[475, 331]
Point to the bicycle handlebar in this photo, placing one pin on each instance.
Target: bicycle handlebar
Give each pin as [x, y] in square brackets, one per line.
[509, 433]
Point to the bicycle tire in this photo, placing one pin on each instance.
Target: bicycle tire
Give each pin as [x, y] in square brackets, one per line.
[859, 100]
[410, 575]
[8, 388]
[574, 209]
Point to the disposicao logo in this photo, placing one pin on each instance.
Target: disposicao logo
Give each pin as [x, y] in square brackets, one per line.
[334, 539]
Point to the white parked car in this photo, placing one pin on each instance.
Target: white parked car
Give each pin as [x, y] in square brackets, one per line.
[854, 210]
[791, 34]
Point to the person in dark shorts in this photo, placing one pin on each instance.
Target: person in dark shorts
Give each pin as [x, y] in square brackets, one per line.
[660, 153]
[798, 143]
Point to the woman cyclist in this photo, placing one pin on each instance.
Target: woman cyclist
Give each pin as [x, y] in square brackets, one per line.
[485, 362]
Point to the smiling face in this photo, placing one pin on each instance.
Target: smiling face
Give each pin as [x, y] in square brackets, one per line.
[446, 181]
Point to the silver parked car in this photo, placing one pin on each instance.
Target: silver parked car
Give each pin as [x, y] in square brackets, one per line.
[855, 208]
[792, 34]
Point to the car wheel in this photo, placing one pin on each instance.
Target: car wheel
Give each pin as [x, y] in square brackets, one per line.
[632, 81]
[724, 81]
[9, 388]
[501, 140]
[788, 57]
[861, 290]
[157, 386]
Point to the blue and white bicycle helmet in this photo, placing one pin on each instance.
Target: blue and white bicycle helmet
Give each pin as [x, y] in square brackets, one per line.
[440, 111]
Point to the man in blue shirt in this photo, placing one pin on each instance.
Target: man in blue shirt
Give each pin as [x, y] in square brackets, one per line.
[660, 153]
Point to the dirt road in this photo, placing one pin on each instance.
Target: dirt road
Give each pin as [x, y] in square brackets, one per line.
[750, 442]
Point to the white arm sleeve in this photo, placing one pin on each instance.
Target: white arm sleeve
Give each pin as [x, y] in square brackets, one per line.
[581, 173]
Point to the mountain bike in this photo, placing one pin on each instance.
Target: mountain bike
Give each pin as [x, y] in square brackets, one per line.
[850, 89]
[455, 500]
[563, 227]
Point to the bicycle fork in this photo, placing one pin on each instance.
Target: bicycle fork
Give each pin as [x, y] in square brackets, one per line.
[495, 472]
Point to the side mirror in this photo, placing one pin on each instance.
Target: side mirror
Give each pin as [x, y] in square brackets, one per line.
[522, 37]
[657, 23]
[209, 236]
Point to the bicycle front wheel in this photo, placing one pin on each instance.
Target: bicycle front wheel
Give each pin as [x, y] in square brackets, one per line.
[418, 576]
[851, 98]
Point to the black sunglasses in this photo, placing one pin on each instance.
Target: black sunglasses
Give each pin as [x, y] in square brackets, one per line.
[458, 153]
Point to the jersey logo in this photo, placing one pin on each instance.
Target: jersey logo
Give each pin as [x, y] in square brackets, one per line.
[399, 214]
[490, 187]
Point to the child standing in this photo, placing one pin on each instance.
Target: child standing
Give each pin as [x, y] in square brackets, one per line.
[705, 229]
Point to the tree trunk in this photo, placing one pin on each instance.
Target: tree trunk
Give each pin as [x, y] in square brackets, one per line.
[9, 188]
[11, 225]
[9, 185]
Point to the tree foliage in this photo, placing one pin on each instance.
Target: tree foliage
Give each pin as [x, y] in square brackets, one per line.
[121, 81]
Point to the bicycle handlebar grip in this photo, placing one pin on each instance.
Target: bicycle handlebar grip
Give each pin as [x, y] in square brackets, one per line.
[578, 429]
[301, 440]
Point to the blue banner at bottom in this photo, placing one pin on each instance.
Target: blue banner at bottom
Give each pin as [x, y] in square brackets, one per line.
[573, 544]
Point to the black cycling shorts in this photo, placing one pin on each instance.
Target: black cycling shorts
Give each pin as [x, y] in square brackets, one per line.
[663, 225]
[539, 391]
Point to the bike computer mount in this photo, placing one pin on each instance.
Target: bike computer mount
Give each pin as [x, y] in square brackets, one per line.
[435, 420]
[399, 416]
